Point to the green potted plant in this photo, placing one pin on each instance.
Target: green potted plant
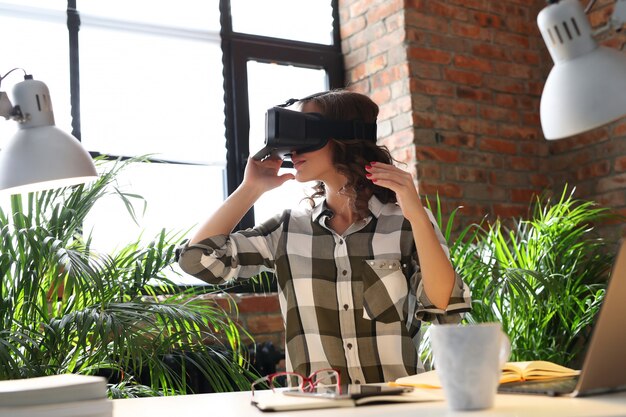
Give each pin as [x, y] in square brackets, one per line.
[543, 277]
[66, 309]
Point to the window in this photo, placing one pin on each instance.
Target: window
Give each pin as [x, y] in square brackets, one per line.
[185, 82]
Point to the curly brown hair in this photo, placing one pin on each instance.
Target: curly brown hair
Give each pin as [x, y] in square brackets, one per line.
[351, 156]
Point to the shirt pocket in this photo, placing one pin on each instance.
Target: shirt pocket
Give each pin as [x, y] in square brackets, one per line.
[385, 290]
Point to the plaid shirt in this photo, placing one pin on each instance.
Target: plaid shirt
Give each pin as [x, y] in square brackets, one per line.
[353, 302]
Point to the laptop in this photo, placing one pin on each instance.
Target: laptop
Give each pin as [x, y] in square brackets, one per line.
[604, 366]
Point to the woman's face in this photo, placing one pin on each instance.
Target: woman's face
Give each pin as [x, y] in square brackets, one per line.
[315, 165]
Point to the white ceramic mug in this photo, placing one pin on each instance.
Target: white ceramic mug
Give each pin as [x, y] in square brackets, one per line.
[468, 360]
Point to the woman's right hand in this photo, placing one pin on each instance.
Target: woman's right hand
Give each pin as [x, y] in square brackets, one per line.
[262, 176]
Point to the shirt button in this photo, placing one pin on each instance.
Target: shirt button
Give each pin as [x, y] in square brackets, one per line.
[349, 345]
[341, 241]
[344, 272]
[346, 306]
[358, 381]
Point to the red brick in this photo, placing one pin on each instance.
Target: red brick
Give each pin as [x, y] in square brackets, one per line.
[540, 180]
[426, 22]
[429, 55]
[472, 63]
[519, 132]
[452, 106]
[381, 95]
[355, 58]
[489, 51]
[459, 140]
[620, 164]
[376, 64]
[388, 76]
[401, 139]
[470, 31]
[467, 174]
[510, 210]
[445, 42]
[443, 190]
[512, 70]
[473, 94]
[523, 196]
[498, 145]
[597, 169]
[358, 8]
[441, 8]
[499, 113]
[352, 26]
[620, 128]
[526, 57]
[435, 88]
[505, 100]
[430, 153]
[463, 77]
[392, 108]
[507, 9]
[512, 39]
[478, 126]
[258, 303]
[427, 170]
[385, 43]
[264, 324]
[425, 71]
[505, 85]
[380, 11]
[487, 20]
[524, 163]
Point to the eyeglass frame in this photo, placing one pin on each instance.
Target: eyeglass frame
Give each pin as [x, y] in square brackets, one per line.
[308, 383]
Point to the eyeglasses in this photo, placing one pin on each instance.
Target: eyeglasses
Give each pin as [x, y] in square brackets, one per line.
[322, 377]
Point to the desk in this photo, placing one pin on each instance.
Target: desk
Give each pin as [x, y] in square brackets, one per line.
[237, 404]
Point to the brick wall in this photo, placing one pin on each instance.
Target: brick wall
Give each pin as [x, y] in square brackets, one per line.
[258, 314]
[459, 84]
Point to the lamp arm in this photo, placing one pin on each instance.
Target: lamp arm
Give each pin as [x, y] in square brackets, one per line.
[6, 107]
[617, 19]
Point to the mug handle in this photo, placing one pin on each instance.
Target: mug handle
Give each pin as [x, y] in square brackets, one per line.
[505, 348]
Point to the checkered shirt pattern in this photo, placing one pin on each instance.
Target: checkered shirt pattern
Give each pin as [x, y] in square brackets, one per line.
[353, 302]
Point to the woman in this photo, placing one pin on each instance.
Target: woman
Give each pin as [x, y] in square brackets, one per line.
[357, 271]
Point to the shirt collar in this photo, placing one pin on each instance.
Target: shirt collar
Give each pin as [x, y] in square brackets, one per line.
[374, 205]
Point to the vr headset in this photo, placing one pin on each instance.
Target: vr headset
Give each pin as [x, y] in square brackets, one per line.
[287, 131]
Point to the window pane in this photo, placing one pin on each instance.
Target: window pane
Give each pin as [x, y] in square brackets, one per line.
[43, 34]
[269, 85]
[189, 14]
[307, 21]
[143, 93]
[60, 5]
[177, 197]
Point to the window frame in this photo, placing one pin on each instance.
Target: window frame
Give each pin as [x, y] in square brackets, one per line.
[240, 48]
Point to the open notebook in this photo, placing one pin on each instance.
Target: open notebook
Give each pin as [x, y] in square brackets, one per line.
[604, 368]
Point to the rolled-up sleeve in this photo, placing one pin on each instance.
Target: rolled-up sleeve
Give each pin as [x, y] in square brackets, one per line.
[224, 258]
[460, 298]
[460, 302]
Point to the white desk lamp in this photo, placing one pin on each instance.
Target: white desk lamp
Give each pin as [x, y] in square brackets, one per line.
[39, 156]
[587, 85]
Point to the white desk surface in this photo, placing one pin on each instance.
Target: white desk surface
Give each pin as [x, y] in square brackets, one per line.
[237, 404]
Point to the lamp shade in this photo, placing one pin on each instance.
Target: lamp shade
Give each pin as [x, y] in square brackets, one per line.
[586, 87]
[40, 155]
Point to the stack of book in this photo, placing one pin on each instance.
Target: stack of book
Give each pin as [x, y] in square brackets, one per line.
[66, 395]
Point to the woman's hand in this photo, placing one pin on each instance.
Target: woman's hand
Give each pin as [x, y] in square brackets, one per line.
[437, 272]
[401, 183]
[262, 176]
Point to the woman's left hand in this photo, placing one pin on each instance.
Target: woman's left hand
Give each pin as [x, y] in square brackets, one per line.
[398, 181]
